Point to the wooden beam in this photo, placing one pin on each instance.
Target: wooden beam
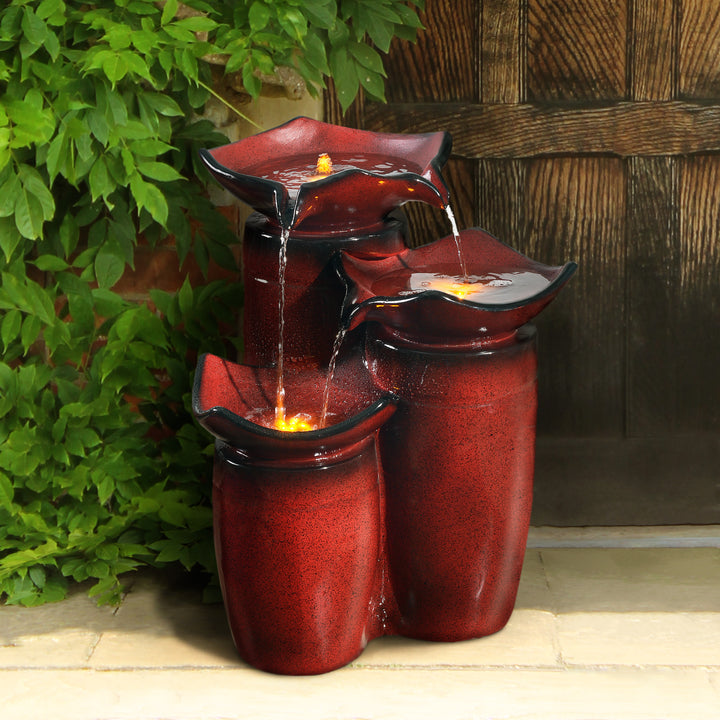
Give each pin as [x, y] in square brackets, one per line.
[624, 129]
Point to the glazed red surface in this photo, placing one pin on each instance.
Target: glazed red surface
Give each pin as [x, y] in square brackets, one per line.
[458, 459]
[350, 199]
[313, 290]
[436, 319]
[327, 539]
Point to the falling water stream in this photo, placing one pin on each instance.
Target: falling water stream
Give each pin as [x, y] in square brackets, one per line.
[280, 394]
[331, 371]
[458, 242]
[280, 410]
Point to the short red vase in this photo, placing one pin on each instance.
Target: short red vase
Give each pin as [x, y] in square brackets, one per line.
[297, 517]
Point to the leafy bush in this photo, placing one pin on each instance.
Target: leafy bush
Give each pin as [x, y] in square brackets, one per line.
[101, 466]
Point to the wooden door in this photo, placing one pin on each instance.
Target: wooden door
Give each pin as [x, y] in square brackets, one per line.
[590, 130]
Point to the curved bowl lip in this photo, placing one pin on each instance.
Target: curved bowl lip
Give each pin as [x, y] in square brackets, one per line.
[287, 210]
[350, 309]
[301, 436]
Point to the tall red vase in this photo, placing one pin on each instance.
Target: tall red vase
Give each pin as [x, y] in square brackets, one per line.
[458, 460]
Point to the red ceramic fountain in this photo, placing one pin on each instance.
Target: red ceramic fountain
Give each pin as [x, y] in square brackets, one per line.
[381, 486]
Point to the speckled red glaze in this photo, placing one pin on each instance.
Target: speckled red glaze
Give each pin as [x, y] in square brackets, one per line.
[297, 517]
[436, 319]
[350, 199]
[313, 291]
[458, 459]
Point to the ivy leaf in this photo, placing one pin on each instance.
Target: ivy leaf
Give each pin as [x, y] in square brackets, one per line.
[158, 171]
[147, 196]
[169, 11]
[10, 328]
[50, 263]
[109, 265]
[258, 16]
[6, 492]
[33, 27]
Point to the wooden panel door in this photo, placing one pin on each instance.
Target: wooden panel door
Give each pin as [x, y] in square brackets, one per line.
[590, 131]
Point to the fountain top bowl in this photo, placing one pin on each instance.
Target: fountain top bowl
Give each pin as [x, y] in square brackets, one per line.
[377, 172]
[402, 295]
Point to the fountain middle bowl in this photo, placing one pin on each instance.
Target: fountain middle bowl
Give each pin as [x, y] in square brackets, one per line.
[410, 295]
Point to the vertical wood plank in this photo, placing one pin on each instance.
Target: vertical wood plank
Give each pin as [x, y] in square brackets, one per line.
[502, 51]
[653, 295]
[576, 49]
[576, 211]
[501, 199]
[698, 317]
[653, 50]
[443, 64]
[699, 48]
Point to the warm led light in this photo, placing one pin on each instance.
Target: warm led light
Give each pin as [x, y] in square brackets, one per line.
[323, 168]
[301, 422]
[324, 165]
[458, 288]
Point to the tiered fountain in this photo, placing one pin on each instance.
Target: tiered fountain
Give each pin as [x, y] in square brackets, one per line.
[375, 451]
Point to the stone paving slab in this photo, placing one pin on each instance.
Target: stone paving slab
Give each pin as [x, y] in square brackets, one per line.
[511, 694]
[597, 634]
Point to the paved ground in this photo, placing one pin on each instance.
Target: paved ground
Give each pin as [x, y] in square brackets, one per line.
[599, 633]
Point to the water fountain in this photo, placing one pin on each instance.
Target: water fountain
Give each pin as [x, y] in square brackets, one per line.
[392, 494]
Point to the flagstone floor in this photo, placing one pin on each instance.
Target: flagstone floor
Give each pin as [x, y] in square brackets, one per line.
[609, 625]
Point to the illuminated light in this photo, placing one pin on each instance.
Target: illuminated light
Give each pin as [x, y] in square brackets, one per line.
[323, 168]
[296, 423]
[381, 182]
[324, 165]
[410, 189]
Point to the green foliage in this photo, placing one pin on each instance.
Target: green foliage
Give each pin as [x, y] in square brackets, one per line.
[102, 468]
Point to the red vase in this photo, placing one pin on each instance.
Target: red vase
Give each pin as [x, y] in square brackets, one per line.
[297, 517]
[313, 291]
[458, 459]
[458, 454]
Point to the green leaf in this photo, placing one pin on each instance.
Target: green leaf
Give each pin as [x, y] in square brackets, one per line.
[30, 330]
[34, 28]
[10, 328]
[50, 263]
[373, 83]
[163, 104]
[148, 197]
[158, 171]
[33, 183]
[115, 67]
[38, 576]
[367, 57]
[321, 13]
[9, 193]
[6, 492]
[109, 265]
[169, 11]
[101, 184]
[258, 15]
[196, 23]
